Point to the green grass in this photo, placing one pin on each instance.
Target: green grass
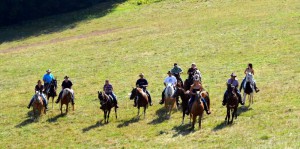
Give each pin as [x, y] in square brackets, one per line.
[220, 36]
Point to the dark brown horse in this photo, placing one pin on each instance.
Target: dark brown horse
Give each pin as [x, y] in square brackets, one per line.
[38, 106]
[197, 109]
[107, 104]
[66, 99]
[142, 99]
[50, 91]
[232, 104]
[184, 98]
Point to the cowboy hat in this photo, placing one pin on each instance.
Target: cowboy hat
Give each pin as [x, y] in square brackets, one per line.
[48, 70]
[66, 77]
[141, 74]
[233, 74]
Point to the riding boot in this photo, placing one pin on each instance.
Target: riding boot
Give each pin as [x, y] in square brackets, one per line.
[116, 104]
[240, 99]
[255, 87]
[150, 100]
[224, 100]
[162, 98]
[28, 107]
[206, 107]
[45, 104]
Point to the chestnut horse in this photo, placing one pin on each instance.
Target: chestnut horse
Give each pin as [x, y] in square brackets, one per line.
[197, 108]
[170, 100]
[232, 103]
[106, 103]
[38, 106]
[50, 91]
[248, 88]
[184, 98]
[142, 99]
[66, 98]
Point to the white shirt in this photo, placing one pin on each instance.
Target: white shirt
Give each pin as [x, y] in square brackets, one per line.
[171, 80]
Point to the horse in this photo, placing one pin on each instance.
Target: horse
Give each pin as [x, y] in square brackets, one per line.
[107, 104]
[170, 101]
[185, 100]
[50, 91]
[38, 106]
[142, 99]
[248, 88]
[179, 80]
[232, 103]
[66, 98]
[197, 109]
[188, 82]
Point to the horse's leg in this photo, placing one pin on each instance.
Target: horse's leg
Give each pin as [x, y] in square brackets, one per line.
[244, 97]
[52, 102]
[61, 108]
[116, 113]
[105, 116]
[67, 108]
[232, 115]
[145, 111]
[108, 115]
[138, 111]
[200, 117]
[194, 121]
[183, 115]
[228, 115]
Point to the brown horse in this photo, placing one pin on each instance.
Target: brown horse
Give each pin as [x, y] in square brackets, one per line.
[197, 108]
[232, 104]
[50, 91]
[107, 104]
[142, 99]
[38, 106]
[66, 98]
[170, 100]
[184, 98]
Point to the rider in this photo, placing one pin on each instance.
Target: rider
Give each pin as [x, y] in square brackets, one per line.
[65, 84]
[249, 69]
[191, 72]
[176, 71]
[47, 78]
[39, 88]
[108, 89]
[143, 83]
[197, 86]
[235, 83]
[170, 79]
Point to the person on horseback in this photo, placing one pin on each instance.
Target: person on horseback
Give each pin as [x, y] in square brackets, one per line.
[108, 89]
[65, 84]
[249, 69]
[197, 86]
[39, 88]
[234, 82]
[176, 71]
[143, 83]
[191, 72]
[170, 79]
[47, 78]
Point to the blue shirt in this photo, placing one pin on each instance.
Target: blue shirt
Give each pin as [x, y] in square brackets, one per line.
[48, 78]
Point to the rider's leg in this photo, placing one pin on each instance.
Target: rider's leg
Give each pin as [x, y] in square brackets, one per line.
[31, 101]
[45, 101]
[114, 99]
[240, 97]
[149, 97]
[191, 101]
[224, 98]
[59, 96]
[242, 84]
[162, 97]
[205, 106]
[255, 87]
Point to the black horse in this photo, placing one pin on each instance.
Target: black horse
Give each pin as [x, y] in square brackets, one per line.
[107, 104]
[50, 90]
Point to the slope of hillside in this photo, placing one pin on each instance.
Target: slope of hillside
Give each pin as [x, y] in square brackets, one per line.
[219, 36]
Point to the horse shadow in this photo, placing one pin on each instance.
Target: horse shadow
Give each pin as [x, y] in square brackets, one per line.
[182, 130]
[161, 116]
[54, 119]
[28, 121]
[128, 122]
[98, 124]
[243, 109]
[220, 126]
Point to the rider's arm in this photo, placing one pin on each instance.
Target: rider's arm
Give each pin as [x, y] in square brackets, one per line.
[252, 71]
[245, 72]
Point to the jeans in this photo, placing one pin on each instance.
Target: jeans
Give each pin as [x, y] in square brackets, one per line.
[113, 96]
[43, 97]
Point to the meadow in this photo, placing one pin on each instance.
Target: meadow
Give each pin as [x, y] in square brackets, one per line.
[117, 41]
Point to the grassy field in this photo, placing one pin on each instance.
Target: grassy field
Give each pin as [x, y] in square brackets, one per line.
[117, 41]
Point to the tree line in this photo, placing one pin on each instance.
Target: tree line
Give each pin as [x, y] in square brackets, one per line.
[15, 11]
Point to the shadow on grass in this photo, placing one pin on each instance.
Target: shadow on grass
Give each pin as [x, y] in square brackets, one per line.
[161, 116]
[182, 130]
[242, 109]
[54, 119]
[28, 121]
[55, 23]
[98, 124]
[220, 126]
[128, 122]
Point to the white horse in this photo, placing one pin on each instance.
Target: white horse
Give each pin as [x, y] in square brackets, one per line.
[248, 87]
[170, 100]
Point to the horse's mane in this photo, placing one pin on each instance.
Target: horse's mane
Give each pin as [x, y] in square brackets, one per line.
[66, 91]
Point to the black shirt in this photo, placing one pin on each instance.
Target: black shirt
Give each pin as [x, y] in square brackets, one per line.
[141, 82]
[66, 84]
[40, 89]
[192, 70]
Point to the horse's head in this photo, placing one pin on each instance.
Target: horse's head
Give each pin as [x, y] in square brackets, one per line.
[133, 93]
[53, 84]
[36, 97]
[169, 92]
